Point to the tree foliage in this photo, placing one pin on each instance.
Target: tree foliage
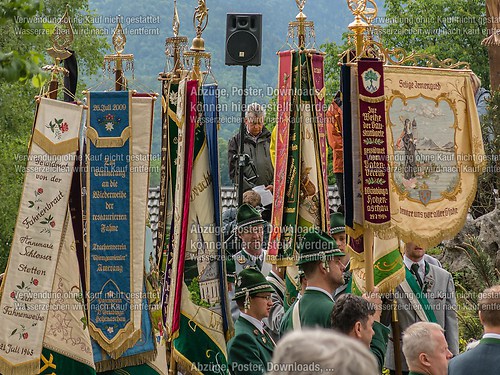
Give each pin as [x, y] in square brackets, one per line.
[446, 29]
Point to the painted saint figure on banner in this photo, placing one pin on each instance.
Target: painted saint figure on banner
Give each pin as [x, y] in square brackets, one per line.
[410, 146]
[425, 166]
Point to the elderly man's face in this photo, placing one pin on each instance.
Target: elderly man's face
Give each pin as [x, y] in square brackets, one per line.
[252, 237]
[254, 124]
[439, 357]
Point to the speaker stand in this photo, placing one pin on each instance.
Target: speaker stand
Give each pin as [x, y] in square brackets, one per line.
[241, 156]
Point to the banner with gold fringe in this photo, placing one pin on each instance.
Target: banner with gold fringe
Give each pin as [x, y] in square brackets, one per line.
[38, 236]
[435, 151]
[110, 252]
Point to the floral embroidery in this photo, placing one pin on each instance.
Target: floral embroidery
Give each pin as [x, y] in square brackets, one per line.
[50, 224]
[58, 127]
[22, 332]
[109, 121]
[38, 192]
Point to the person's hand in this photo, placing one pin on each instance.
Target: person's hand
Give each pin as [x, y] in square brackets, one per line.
[270, 188]
[376, 301]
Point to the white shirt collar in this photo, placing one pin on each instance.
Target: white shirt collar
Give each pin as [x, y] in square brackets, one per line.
[491, 336]
[255, 322]
[253, 258]
[320, 290]
[421, 265]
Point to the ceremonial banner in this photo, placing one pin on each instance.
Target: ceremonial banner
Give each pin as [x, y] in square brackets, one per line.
[144, 349]
[375, 174]
[211, 117]
[318, 80]
[201, 316]
[66, 344]
[142, 125]
[367, 188]
[388, 266]
[38, 236]
[282, 140]
[110, 255]
[172, 261]
[435, 151]
[173, 93]
[312, 210]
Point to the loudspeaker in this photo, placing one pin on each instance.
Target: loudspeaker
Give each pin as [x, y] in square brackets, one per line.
[243, 39]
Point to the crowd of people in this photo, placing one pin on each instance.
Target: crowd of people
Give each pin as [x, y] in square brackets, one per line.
[327, 329]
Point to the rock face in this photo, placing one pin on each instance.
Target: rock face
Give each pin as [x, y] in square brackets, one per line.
[487, 230]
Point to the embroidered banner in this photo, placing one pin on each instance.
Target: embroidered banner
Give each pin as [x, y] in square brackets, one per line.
[374, 170]
[435, 151]
[318, 79]
[201, 314]
[170, 280]
[282, 139]
[142, 125]
[110, 280]
[38, 236]
[66, 342]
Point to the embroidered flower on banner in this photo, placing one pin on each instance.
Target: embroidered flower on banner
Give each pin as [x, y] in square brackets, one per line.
[22, 331]
[32, 203]
[58, 127]
[109, 121]
[49, 223]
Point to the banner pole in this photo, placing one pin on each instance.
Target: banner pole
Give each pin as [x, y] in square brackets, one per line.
[368, 252]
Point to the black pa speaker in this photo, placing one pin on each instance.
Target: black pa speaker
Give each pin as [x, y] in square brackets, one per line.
[243, 39]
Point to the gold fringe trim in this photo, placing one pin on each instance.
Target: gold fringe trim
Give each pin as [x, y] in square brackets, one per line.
[116, 348]
[31, 367]
[369, 99]
[184, 365]
[51, 148]
[133, 360]
[410, 236]
[102, 142]
[391, 282]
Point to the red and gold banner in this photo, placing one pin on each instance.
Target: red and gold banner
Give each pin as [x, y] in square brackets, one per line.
[280, 170]
[373, 141]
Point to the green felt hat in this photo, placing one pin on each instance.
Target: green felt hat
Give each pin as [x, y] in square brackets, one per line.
[337, 224]
[317, 245]
[249, 282]
[248, 216]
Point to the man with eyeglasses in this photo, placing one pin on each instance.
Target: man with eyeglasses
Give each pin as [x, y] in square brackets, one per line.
[251, 348]
[256, 143]
[319, 258]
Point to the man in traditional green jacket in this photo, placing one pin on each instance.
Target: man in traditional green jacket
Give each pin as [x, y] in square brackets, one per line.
[251, 348]
[319, 258]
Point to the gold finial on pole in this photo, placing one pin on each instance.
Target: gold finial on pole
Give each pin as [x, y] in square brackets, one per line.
[301, 29]
[358, 26]
[119, 40]
[301, 19]
[197, 50]
[175, 47]
[176, 22]
[61, 38]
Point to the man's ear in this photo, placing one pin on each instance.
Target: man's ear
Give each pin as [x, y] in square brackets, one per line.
[424, 359]
[357, 329]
